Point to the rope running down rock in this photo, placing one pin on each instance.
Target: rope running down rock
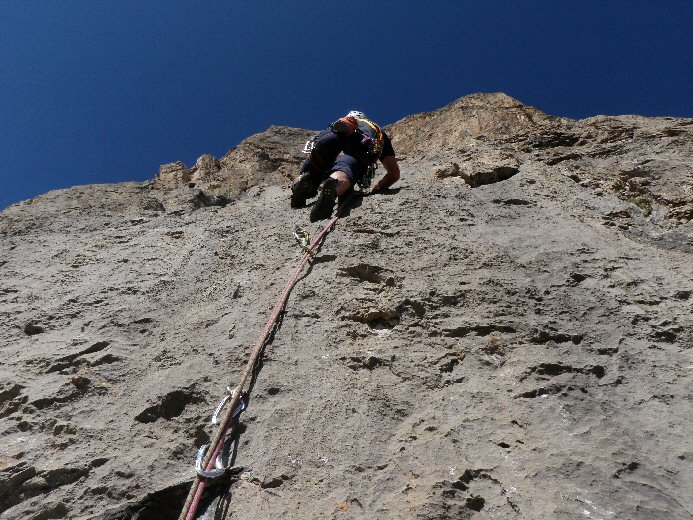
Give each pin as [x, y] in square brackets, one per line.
[192, 502]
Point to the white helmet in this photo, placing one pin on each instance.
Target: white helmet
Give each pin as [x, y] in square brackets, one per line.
[357, 114]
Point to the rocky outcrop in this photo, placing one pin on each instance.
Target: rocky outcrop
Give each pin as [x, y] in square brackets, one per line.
[644, 161]
[270, 158]
[504, 334]
[478, 116]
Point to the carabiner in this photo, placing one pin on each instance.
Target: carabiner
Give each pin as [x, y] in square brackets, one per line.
[240, 407]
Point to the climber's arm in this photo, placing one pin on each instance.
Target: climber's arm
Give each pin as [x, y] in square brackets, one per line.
[392, 175]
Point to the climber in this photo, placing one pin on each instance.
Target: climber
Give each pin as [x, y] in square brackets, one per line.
[340, 157]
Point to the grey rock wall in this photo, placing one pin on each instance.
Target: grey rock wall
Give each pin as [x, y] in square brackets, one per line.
[505, 334]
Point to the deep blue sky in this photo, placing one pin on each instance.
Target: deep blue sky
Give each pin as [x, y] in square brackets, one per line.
[106, 91]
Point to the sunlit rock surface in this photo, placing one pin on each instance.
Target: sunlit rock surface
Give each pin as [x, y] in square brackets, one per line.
[505, 334]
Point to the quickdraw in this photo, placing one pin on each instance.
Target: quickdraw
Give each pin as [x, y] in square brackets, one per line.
[310, 144]
[222, 462]
[303, 239]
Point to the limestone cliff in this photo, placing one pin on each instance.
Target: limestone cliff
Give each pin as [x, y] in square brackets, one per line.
[504, 334]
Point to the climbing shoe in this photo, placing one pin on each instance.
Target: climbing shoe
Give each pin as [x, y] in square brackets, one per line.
[325, 204]
[303, 188]
[345, 126]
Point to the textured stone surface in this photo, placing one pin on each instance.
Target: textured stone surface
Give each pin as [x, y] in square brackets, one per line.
[506, 334]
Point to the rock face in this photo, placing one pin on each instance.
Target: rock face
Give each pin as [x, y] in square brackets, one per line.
[505, 334]
[269, 158]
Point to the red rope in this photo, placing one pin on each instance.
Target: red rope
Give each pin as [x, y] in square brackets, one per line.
[195, 495]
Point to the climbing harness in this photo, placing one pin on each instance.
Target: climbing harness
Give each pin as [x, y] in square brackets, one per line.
[214, 459]
[373, 137]
[372, 140]
[365, 182]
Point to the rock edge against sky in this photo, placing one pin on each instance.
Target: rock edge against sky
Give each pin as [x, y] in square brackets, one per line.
[505, 334]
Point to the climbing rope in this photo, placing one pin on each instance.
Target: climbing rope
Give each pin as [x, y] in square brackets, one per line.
[210, 458]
